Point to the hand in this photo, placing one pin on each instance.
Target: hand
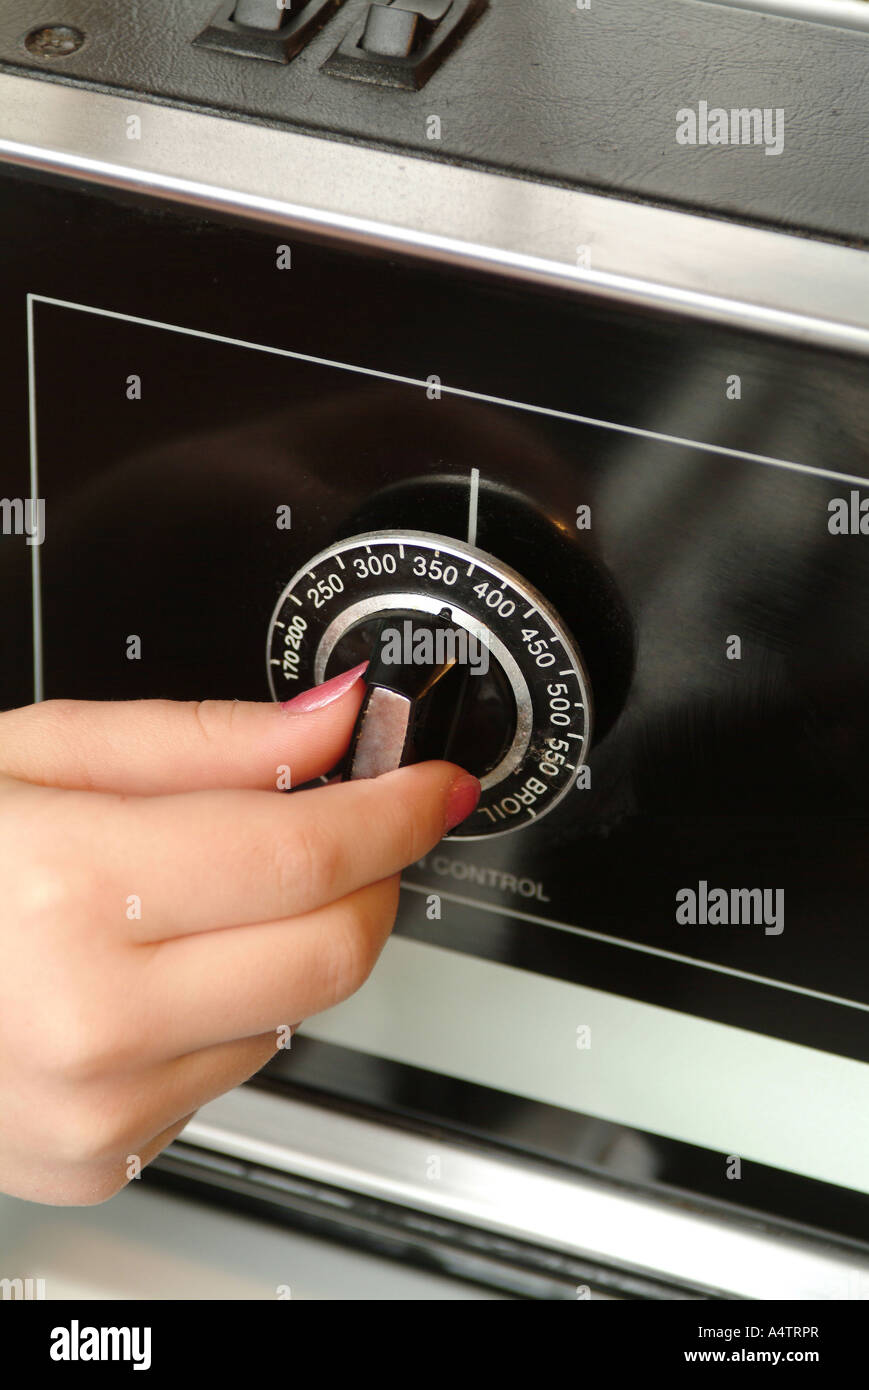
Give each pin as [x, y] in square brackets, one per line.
[165, 915]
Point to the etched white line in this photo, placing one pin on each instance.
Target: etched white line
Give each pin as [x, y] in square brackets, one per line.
[35, 552]
[636, 430]
[638, 946]
[473, 498]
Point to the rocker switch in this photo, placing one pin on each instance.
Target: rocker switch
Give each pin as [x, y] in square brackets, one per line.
[396, 30]
[260, 14]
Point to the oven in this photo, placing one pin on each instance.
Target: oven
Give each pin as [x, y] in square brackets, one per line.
[321, 352]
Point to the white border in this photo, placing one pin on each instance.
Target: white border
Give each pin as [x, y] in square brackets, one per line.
[637, 430]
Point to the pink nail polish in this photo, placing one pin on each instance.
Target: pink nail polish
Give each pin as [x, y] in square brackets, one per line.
[464, 795]
[320, 695]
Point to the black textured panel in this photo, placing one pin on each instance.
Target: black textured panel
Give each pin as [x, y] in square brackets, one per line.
[586, 97]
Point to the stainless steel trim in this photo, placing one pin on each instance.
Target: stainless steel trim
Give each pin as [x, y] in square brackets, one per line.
[530, 1201]
[843, 14]
[715, 270]
[385, 716]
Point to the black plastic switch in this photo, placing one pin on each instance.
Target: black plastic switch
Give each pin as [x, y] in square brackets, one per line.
[265, 29]
[260, 14]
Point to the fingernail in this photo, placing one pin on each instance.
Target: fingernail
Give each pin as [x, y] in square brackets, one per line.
[320, 695]
[464, 795]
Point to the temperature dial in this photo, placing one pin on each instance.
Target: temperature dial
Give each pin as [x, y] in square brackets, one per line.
[487, 675]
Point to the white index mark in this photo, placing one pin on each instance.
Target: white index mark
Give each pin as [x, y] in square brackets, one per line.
[295, 600]
[277, 624]
[340, 561]
[530, 613]
[473, 498]
[565, 673]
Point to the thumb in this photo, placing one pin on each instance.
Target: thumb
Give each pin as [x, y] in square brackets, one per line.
[147, 747]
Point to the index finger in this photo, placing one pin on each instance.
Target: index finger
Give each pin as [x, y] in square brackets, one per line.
[147, 747]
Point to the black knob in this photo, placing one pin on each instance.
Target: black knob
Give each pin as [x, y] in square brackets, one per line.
[467, 661]
[432, 693]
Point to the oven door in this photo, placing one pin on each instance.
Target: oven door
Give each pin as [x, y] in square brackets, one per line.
[620, 1048]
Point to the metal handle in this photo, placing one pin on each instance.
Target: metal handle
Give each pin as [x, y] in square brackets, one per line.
[402, 673]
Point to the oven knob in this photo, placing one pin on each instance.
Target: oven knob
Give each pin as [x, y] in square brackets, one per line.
[467, 661]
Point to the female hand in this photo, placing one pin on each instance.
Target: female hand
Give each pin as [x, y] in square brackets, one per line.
[166, 916]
